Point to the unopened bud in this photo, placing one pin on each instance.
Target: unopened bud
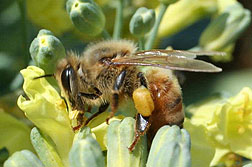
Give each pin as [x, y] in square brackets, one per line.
[46, 50]
[86, 16]
[142, 21]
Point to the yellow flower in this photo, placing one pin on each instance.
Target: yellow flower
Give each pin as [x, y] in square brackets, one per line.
[49, 14]
[45, 108]
[227, 123]
[202, 152]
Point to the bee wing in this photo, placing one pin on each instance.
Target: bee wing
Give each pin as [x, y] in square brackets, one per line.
[184, 53]
[169, 60]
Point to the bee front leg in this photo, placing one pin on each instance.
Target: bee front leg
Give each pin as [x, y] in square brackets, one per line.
[115, 96]
[79, 119]
[102, 108]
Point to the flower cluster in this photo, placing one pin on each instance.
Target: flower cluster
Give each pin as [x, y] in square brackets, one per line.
[221, 126]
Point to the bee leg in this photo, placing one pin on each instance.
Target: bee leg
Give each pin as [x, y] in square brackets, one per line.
[114, 106]
[80, 119]
[115, 97]
[89, 109]
[142, 122]
[143, 81]
[141, 127]
[79, 116]
[80, 122]
[102, 108]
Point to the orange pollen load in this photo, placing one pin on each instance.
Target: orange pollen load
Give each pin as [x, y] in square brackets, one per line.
[143, 101]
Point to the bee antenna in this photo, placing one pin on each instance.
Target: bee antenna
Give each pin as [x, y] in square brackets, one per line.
[44, 76]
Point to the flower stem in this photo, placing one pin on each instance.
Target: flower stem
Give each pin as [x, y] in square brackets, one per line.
[141, 43]
[23, 32]
[105, 34]
[118, 20]
[154, 30]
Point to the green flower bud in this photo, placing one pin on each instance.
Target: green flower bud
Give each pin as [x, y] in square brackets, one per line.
[248, 165]
[45, 149]
[86, 16]
[142, 21]
[86, 152]
[23, 158]
[46, 50]
[170, 147]
[168, 2]
[119, 137]
[226, 28]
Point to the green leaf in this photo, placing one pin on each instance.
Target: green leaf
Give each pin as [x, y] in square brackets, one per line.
[86, 153]
[45, 149]
[170, 147]
[119, 137]
[23, 158]
[14, 133]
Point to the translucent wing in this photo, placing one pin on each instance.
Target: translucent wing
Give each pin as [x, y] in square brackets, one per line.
[170, 59]
[184, 53]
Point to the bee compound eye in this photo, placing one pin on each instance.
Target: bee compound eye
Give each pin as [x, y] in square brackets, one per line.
[66, 75]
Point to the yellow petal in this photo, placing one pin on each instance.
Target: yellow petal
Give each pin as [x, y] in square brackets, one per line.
[219, 154]
[238, 130]
[43, 107]
[202, 151]
[99, 128]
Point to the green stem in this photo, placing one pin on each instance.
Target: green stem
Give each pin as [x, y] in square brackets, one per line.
[23, 28]
[154, 30]
[141, 43]
[118, 20]
[105, 34]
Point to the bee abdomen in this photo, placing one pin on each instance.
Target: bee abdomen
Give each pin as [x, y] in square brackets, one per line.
[167, 98]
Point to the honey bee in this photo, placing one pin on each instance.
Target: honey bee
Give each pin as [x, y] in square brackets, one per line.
[108, 72]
